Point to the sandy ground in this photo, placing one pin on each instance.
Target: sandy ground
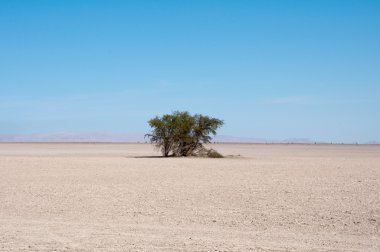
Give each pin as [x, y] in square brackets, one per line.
[114, 197]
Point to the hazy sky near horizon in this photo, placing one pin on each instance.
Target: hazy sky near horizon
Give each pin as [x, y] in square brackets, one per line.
[270, 69]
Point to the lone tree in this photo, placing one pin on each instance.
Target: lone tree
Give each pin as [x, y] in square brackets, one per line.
[183, 134]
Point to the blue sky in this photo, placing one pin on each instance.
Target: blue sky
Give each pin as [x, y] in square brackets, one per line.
[270, 69]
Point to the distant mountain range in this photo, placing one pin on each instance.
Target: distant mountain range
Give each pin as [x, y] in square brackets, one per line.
[231, 139]
[122, 137]
[133, 138]
[75, 137]
[373, 142]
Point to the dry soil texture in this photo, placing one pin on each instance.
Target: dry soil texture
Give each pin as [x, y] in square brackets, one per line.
[116, 197]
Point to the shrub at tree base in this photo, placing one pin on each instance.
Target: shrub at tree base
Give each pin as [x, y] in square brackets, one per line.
[214, 154]
[182, 134]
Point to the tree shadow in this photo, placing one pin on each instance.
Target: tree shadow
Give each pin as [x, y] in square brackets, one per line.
[149, 157]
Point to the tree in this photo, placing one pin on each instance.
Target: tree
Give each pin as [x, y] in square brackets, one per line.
[181, 134]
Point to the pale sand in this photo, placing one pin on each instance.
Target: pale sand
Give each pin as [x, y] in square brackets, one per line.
[103, 197]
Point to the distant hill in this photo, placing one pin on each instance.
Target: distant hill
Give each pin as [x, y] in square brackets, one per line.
[298, 140]
[123, 137]
[232, 139]
[74, 137]
[373, 142]
[135, 137]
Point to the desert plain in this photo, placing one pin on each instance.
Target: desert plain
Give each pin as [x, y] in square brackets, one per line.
[122, 197]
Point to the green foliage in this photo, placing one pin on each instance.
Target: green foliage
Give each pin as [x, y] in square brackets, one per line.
[181, 134]
[214, 154]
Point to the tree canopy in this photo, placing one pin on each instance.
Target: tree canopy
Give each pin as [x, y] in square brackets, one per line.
[182, 134]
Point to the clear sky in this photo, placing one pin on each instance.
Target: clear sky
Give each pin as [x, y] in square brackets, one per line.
[270, 69]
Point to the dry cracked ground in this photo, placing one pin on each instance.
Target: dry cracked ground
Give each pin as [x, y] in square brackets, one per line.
[119, 197]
